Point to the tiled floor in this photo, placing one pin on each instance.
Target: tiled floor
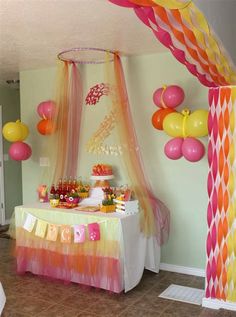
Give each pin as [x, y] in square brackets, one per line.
[31, 296]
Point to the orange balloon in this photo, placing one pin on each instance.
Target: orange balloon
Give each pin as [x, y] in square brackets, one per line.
[46, 126]
[159, 116]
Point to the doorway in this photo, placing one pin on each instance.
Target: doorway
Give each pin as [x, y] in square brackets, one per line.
[2, 193]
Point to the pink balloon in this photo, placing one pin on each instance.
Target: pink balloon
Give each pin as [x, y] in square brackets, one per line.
[19, 151]
[173, 96]
[46, 109]
[173, 148]
[157, 97]
[193, 150]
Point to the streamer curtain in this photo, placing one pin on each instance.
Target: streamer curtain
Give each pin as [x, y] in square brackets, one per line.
[155, 218]
[182, 28]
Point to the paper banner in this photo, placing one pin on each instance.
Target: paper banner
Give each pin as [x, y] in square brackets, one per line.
[41, 228]
[65, 234]
[94, 231]
[29, 223]
[52, 232]
[79, 233]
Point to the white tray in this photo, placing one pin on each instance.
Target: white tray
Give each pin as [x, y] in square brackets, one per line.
[101, 178]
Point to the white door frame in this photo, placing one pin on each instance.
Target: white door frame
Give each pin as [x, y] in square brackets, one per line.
[2, 192]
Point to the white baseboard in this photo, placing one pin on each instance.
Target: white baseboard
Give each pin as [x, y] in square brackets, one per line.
[182, 269]
[217, 304]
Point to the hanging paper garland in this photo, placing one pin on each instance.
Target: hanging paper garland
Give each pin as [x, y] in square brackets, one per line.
[96, 144]
[50, 231]
[96, 92]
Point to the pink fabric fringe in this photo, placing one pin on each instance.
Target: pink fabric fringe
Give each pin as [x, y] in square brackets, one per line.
[101, 272]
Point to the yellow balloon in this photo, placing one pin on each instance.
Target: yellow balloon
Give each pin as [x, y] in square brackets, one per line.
[12, 131]
[196, 124]
[24, 130]
[173, 124]
[15, 131]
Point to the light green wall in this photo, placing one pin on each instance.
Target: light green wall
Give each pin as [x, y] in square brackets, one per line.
[10, 101]
[180, 184]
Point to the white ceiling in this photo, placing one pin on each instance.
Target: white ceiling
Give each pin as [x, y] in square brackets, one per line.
[33, 32]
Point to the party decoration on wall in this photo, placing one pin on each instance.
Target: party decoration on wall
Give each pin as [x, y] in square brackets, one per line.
[96, 92]
[20, 151]
[50, 231]
[168, 96]
[96, 144]
[17, 132]
[184, 126]
[192, 149]
[183, 29]
[159, 116]
[47, 111]
[221, 237]
[46, 126]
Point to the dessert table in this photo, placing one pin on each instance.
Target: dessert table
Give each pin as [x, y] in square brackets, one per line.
[111, 257]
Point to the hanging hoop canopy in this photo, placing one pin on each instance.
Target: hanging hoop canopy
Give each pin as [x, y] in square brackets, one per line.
[86, 55]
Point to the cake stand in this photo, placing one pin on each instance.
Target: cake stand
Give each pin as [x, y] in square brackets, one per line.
[102, 180]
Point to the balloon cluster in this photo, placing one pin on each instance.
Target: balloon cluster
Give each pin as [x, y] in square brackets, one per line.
[185, 127]
[46, 110]
[17, 132]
